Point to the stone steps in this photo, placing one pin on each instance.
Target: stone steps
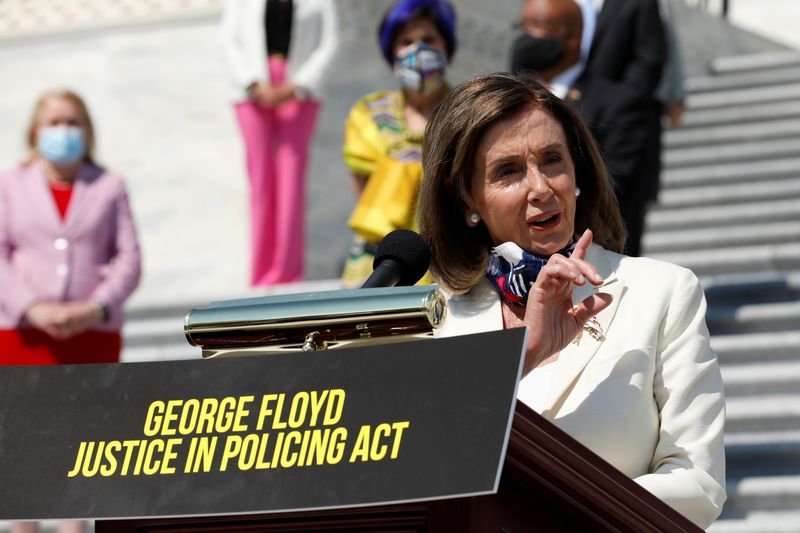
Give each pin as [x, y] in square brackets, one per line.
[763, 412]
[721, 194]
[778, 377]
[696, 118]
[154, 331]
[722, 236]
[725, 173]
[22, 19]
[182, 351]
[763, 493]
[741, 80]
[759, 522]
[774, 128]
[756, 453]
[757, 347]
[773, 258]
[733, 151]
[718, 174]
[690, 218]
[754, 318]
[742, 97]
[752, 288]
[754, 62]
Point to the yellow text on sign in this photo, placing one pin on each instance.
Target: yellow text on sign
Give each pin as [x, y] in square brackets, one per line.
[373, 444]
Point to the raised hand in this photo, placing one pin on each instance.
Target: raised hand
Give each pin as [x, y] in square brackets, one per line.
[550, 315]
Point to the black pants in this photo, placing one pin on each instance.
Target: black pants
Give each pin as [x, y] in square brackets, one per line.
[635, 197]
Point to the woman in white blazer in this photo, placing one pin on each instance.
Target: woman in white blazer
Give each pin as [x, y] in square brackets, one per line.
[278, 54]
[618, 354]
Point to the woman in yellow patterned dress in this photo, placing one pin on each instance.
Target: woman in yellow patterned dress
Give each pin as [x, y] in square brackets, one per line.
[383, 133]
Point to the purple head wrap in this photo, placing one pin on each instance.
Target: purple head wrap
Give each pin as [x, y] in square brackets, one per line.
[442, 15]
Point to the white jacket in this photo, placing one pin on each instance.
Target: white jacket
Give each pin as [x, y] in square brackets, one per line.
[314, 41]
[648, 397]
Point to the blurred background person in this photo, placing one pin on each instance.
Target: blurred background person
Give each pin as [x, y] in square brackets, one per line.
[524, 230]
[668, 108]
[606, 57]
[549, 44]
[671, 93]
[69, 254]
[278, 53]
[383, 133]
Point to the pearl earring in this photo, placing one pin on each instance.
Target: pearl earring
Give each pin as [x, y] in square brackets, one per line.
[474, 217]
[577, 191]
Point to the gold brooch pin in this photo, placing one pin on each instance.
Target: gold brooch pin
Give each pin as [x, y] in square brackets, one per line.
[593, 328]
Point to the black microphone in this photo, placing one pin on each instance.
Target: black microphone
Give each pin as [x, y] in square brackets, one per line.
[402, 258]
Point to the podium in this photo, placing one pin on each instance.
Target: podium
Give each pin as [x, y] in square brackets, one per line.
[321, 435]
[549, 482]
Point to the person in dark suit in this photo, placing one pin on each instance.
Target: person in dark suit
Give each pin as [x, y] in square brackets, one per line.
[613, 85]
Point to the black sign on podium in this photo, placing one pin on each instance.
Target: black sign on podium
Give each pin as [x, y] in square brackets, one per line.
[351, 427]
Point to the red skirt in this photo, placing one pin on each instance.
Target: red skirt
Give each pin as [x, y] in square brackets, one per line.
[34, 347]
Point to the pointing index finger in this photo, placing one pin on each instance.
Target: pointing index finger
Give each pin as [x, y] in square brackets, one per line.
[582, 246]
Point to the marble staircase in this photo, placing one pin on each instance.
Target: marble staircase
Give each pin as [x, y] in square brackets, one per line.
[730, 211]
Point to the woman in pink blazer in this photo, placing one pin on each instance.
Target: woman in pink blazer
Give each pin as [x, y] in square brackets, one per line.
[69, 255]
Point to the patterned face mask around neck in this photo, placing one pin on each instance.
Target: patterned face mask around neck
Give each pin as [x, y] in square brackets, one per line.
[512, 270]
[420, 68]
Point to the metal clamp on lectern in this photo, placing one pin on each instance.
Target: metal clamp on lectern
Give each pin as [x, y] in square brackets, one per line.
[315, 321]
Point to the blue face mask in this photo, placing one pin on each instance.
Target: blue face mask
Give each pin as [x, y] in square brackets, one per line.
[61, 145]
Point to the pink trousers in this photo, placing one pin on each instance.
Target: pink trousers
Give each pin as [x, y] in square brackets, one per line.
[277, 142]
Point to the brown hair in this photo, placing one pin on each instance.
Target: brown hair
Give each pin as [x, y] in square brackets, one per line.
[83, 112]
[458, 252]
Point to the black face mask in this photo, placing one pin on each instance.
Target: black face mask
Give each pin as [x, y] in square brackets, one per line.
[536, 53]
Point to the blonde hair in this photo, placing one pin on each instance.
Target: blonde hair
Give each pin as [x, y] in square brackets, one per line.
[459, 253]
[83, 113]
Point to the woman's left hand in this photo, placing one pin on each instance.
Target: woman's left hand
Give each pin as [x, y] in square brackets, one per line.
[81, 315]
[552, 319]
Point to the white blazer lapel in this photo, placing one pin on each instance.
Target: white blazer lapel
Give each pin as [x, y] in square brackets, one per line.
[573, 358]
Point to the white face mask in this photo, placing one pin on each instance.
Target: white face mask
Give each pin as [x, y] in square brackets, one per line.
[62, 145]
[420, 68]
